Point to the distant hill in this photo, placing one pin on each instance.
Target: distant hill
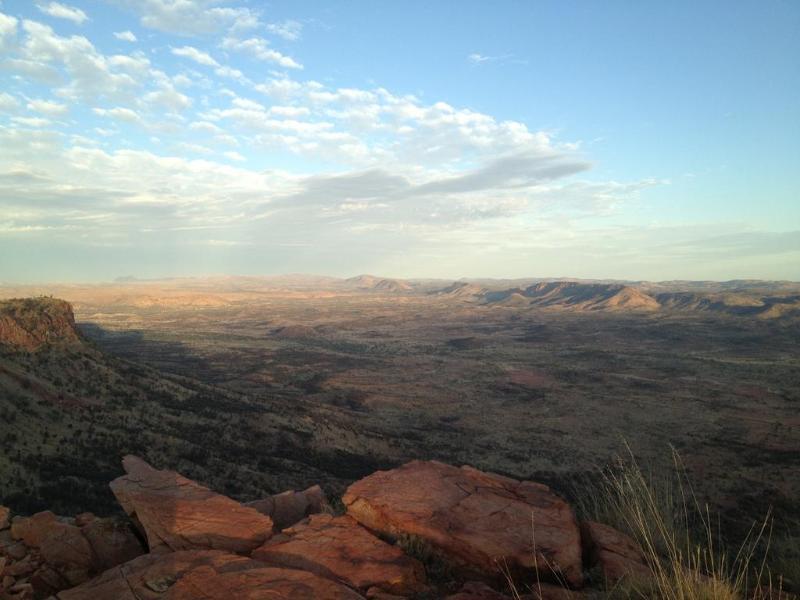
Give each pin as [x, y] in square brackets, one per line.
[753, 299]
[370, 282]
[463, 290]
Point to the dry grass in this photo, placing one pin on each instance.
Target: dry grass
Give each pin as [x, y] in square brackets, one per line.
[682, 543]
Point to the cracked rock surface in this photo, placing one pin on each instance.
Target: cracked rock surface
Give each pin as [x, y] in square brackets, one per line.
[176, 513]
[204, 574]
[341, 549]
[480, 521]
[617, 554]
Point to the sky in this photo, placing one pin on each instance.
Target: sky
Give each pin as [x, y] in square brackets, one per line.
[620, 140]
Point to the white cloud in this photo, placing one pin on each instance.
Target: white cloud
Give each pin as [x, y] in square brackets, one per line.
[191, 17]
[8, 30]
[48, 107]
[36, 70]
[289, 30]
[119, 113]
[168, 97]
[247, 104]
[8, 103]
[31, 121]
[125, 36]
[259, 48]
[198, 56]
[234, 156]
[290, 111]
[476, 58]
[63, 11]
[231, 73]
[205, 127]
[91, 73]
[194, 148]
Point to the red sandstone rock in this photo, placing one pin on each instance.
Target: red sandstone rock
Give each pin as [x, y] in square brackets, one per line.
[22, 590]
[480, 521]
[47, 581]
[379, 594]
[65, 549]
[21, 568]
[5, 514]
[177, 513]
[290, 507]
[149, 576]
[258, 584]
[615, 553]
[206, 574]
[84, 519]
[17, 550]
[474, 590]
[31, 530]
[340, 549]
[31, 323]
[112, 542]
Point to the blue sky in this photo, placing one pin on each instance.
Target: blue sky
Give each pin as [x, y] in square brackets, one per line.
[629, 140]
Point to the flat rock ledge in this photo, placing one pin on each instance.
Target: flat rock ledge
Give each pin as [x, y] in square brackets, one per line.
[176, 513]
[482, 522]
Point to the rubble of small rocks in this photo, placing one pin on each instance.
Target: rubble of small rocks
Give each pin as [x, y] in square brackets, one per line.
[44, 553]
[182, 541]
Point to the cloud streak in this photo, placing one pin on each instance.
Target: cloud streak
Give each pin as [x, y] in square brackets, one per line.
[63, 11]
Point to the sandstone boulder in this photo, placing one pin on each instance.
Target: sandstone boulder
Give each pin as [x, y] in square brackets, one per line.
[64, 549]
[617, 554]
[31, 530]
[83, 519]
[112, 542]
[340, 549]
[176, 513]
[263, 583]
[290, 507]
[5, 515]
[47, 581]
[478, 521]
[207, 574]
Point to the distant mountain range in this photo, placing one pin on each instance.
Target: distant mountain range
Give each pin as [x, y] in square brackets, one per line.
[763, 299]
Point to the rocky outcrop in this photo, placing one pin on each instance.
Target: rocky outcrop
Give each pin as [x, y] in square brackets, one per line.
[112, 542]
[290, 507]
[31, 530]
[339, 548]
[44, 553]
[206, 574]
[176, 513]
[262, 583]
[30, 323]
[67, 552]
[460, 524]
[479, 521]
[616, 554]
